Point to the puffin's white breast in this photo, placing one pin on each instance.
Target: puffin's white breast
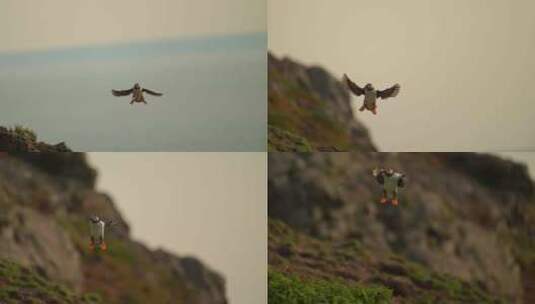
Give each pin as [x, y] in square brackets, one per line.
[391, 182]
[370, 98]
[97, 229]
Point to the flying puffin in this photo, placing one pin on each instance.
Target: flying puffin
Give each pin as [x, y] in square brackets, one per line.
[370, 94]
[391, 181]
[97, 226]
[137, 93]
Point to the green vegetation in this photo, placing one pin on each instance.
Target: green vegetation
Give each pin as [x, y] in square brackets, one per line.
[21, 285]
[288, 289]
[280, 140]
[298, 118]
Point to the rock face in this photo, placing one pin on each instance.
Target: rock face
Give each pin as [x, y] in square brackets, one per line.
[34, 241]
[459, 213]
[307, 104]
[45, 201]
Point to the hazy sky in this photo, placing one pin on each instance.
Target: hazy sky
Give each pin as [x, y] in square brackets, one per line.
[466, 68]
[30, 25]
[210, 205]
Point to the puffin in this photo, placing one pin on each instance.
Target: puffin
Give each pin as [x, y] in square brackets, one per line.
[371, 94]
[96, 228]
[137, 93]
[391, 181]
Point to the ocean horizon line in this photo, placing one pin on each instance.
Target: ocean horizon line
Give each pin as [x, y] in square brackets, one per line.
[205, 44]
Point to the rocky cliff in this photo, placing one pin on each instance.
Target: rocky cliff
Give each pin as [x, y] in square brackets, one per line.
[468, 217]
[21, 139]
[310, 110]
[45, 199]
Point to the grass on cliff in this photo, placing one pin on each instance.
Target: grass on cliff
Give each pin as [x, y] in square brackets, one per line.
[288, 289]
[280, 140]
[21, 285]
[291, 109]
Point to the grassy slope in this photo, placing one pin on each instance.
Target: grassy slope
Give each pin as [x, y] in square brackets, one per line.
[280, 140]
[308, 121]
[303, 268]
[21, 285]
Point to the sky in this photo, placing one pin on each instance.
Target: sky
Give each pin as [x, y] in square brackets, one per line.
[465, 67]
[209, 205]
[36, 25]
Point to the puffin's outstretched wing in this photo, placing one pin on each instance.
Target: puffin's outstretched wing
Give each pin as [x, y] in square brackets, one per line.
[115, 225]
[353, 86]
[402, 181]
[390, 92]
[122, 92]
[152, 92]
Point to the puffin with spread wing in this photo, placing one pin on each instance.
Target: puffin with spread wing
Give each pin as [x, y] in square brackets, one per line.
[370, 94]
[137, 93]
